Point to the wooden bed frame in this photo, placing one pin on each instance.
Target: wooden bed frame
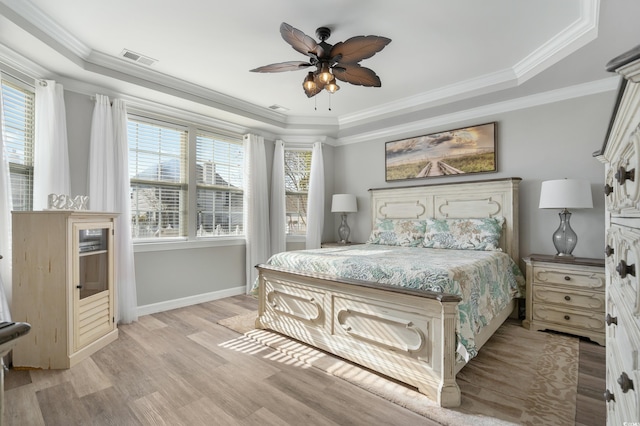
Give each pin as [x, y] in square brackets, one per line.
[405, 334]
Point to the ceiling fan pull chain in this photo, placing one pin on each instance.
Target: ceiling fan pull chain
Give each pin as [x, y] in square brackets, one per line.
[329, 102]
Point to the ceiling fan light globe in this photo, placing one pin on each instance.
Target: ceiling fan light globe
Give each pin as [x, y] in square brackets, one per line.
[332, 87]
[309, 83]
[325, 75]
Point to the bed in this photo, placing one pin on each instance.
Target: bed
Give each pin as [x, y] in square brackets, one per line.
[412, 334]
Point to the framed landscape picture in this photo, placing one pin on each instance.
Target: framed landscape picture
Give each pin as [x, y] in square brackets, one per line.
[455, 152]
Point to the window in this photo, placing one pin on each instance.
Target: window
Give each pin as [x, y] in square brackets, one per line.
[18, 119]
[219, 165]
[158, 175]
[297, 168]
[185, 182]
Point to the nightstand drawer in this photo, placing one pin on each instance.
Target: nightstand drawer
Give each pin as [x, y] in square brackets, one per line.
[593, 321]
[585, 277]
[593, 301]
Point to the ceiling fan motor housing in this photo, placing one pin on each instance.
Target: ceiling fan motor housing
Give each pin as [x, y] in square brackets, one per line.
[323, 33]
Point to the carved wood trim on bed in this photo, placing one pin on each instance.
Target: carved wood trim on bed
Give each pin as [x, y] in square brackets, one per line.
[402, 333]
[475, 199]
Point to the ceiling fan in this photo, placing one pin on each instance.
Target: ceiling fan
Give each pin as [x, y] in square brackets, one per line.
[338, 61]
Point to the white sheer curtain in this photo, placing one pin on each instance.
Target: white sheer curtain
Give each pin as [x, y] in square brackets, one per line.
[5, 226]
[315, 201]
[278, 201]
[101, 157]
[109, 192]
[51, 155]
[256, 205]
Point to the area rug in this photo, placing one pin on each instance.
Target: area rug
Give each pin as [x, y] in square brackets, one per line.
[519, 377]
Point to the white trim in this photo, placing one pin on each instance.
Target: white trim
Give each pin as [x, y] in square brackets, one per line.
[412, 129]
[21, 64]
[42, 22]
[189, 300]
[581, 32]
[570, 39]
[182, 244]
[34, 21]
[476, 86]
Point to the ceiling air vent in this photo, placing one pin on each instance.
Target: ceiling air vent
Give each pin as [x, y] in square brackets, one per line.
[136, 57]
[277, 107]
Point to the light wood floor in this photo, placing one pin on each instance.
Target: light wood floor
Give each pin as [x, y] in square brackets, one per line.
[182, 368]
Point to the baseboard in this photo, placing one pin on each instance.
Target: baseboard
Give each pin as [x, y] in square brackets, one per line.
[188, 301]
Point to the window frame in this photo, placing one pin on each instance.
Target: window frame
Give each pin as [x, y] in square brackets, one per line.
[296, 148]
[193, 127]
[16, 168]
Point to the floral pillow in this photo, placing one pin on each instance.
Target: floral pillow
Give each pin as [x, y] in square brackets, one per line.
[464, 234]
[398, 232]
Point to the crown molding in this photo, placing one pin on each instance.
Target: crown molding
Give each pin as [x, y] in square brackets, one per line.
[481, 85]
[23, 65]
[29, 17]
[123, 70]
[583, 31]
[417, 127]
[572, 38]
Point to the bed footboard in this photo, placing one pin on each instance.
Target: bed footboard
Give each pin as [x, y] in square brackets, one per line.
[401, 333]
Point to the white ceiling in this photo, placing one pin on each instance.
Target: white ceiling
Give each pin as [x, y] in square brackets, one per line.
[441, 52]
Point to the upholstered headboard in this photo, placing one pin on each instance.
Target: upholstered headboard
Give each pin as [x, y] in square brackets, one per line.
[475, 199]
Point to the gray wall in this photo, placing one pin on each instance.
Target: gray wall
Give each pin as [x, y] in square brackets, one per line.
[551, 141]
[540, 143]
[166, 275]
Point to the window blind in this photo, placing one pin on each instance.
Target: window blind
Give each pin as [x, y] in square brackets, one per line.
[219, 165]
[158, 176]
[18, 125]
[297, 169]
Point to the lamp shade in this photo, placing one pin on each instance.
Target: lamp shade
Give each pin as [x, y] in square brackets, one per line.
[344, 203]
[566, 194]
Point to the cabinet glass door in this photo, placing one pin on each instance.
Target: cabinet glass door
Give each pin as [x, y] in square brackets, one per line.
[93, 261]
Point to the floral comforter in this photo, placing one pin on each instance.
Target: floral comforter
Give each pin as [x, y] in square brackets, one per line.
[486, 280]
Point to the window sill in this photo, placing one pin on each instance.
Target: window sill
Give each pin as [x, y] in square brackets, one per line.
[296, 238]
[182, 244]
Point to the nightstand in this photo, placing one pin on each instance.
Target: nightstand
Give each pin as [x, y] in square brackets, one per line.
[336, 244]
[567, 295]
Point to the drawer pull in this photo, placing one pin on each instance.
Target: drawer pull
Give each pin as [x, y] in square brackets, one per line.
[567, 317]
[625, 383]
[608, 396]
[622, 175]
[608, 250]
[567, 298]
[611, 320]
[608, 189]
[623, 269]
[567, 278]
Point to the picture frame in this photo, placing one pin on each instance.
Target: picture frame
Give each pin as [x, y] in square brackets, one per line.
[462, 151]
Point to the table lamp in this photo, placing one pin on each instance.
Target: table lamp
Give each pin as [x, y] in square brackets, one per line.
[344, 203]
[565, 194]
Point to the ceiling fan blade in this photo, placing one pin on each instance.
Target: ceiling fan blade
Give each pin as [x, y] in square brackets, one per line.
[300, 41]
[358, 48]
[282, 66]
[356, 74]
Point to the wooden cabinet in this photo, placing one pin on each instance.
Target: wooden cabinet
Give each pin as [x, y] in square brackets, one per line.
[63, 285]
[567, 295]
[621, 156]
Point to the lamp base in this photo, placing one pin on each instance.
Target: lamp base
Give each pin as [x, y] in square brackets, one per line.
[343, 231]
[565, 238]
